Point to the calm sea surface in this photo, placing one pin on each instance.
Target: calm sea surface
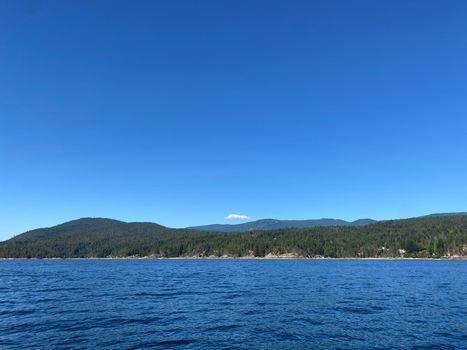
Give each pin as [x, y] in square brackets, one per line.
[233, 304]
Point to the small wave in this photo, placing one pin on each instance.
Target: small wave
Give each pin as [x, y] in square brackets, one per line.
[222, 328]
[163, 343]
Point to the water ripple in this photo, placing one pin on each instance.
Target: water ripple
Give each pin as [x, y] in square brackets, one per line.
[233, 304]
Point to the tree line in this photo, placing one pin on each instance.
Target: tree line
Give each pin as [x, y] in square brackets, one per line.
[427, 237]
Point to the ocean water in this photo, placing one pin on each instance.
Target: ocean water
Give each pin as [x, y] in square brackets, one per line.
[233, 304]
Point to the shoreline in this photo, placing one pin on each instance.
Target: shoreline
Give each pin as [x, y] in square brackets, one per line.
[241, 258]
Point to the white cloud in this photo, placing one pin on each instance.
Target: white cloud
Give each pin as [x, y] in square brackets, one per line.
[237, 217]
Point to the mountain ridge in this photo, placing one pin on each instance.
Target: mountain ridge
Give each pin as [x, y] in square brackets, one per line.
[423, 237]
[323, 222]
[274, 224]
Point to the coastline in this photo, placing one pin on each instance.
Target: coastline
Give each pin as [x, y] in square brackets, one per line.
[241, 258]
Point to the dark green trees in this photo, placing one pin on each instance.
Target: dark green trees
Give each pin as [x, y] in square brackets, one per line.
[427, 237]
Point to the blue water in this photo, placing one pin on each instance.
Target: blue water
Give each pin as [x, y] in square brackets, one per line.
[233, 304]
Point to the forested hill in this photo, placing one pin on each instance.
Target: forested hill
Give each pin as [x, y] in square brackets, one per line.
[92, 237]
[427, 237]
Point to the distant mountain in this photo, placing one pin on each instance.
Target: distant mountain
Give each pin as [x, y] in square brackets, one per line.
[273, 224]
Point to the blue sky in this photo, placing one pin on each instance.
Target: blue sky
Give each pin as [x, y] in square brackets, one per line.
[182, 112]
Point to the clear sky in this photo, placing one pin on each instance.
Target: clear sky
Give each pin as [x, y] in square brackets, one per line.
[183, 112]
